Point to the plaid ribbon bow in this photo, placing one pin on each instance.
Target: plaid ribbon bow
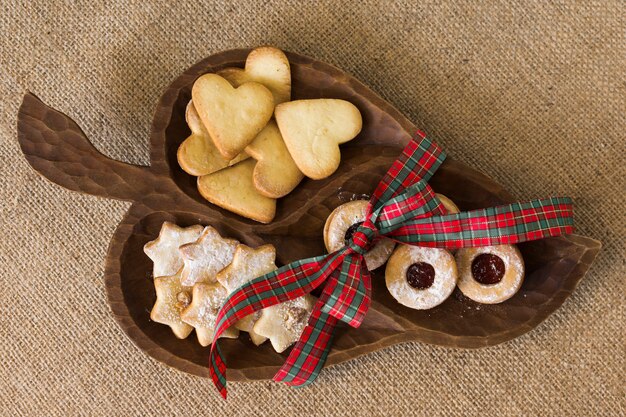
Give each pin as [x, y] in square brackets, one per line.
[405, 209]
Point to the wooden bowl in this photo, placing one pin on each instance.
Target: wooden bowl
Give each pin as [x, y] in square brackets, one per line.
[56, 147]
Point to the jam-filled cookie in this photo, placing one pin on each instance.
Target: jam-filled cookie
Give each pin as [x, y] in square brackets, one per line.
[420, 278]
[451, 208]
[490, 274]
[341, 225]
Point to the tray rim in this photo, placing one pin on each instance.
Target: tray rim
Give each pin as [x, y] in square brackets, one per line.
[113, 258]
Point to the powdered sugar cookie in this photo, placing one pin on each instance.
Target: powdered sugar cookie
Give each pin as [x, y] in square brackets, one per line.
[419, 277]
[490, 274]
[343, 222]
[207, 256]
[164, 250]
[247, 264]
[207, 299]
[172, 298]
[283, 323]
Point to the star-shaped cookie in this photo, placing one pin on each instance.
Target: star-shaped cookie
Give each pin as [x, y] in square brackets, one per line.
[206, 257]
[283, 323]
[172, 298]
[247, 264]
[164, 250]
[201, 313]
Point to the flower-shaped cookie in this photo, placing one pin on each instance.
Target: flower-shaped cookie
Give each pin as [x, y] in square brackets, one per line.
[201, 313]
[283, 323]
[207, 256]
[248, 264]
[164, 250]
[172, 298]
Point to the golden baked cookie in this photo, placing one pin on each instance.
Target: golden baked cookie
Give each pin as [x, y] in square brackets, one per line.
[451, 208]
[198, 155]
[419, 277]
[247, 264]
[313, 131]
[172, 298]
[283, 323]
[490, 274]
[207, 256]
[201, 313]
[163, 251]
[275, 174]
[233, 189]
[343, 222]
[265, 65]
[232, 116]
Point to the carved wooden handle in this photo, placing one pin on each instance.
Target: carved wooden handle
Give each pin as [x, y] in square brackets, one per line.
[58, 149]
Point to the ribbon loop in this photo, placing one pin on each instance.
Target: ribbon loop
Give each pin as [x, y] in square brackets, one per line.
[404, 208]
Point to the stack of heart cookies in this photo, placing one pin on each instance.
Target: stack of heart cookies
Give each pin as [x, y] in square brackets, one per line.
[195, 269]
[250, 145]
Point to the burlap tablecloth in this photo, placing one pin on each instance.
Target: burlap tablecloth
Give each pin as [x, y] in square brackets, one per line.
[531, 93]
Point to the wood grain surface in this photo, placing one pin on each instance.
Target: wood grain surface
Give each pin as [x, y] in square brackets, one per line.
[56, 147]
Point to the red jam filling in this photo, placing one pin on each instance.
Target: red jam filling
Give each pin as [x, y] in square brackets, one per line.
[420, 275]
[348, 236]
[488, 269]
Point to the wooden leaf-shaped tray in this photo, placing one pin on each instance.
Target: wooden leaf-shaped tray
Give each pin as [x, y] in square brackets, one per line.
[57, 148]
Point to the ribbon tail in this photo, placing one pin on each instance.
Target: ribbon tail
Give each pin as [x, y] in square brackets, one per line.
[217, 369]
[309, 354]
[348, 295]
[286, 283]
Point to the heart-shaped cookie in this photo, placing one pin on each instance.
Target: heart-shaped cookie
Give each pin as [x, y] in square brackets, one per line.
[233, 116]
[198, 155]
[275, 174]
[268, 66]
[232, 189]
[313, 130]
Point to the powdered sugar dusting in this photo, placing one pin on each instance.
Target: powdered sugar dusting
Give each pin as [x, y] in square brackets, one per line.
[163, 251]
[494, 293]
[284, 323]
[202, 312]
[444, 280]
[171, 299]
[345, 216]
[246, 265]
[206, 257]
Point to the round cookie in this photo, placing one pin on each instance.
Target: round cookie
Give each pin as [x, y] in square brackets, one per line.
[343, 222]
[451, 208]
[490, 274]
[419, 277]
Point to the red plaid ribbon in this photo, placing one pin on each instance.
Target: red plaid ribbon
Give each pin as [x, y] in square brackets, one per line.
[405, 209]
